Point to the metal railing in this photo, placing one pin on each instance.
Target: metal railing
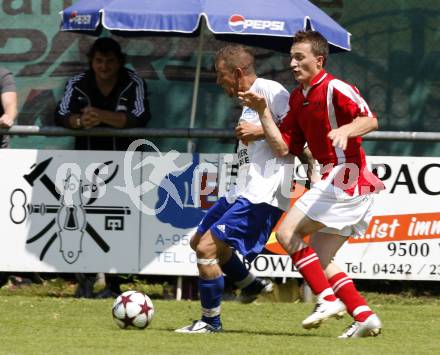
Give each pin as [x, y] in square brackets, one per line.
[52, 131]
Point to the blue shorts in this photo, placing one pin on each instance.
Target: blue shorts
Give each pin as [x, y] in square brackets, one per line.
[244, 226]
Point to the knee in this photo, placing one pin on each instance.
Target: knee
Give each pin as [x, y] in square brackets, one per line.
[205, 250]
[286, 236]
[207, 260]
[200, 249]
[283, 236]
[194, 242]
[290, 241]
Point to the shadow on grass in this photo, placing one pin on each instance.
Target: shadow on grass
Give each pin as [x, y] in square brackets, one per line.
[248, 332]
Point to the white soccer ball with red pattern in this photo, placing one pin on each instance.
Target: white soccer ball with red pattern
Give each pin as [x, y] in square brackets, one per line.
[133, 309]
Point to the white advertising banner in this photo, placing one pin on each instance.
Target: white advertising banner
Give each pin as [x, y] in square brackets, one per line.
[61, 212]
[133, 212]
[403, 238]
[166, 233]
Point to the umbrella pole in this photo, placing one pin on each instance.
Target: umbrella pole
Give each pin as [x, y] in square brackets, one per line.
[190, 146]
[192, 119]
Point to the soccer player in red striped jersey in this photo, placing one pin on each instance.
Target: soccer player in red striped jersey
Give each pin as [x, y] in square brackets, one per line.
[329, 116]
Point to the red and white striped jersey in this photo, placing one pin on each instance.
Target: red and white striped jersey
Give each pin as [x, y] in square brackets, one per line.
[327, 104]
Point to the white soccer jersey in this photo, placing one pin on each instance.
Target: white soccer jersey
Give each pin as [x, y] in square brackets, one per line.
[261, 175]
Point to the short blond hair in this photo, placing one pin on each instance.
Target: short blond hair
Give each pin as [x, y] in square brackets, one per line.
[237, 56]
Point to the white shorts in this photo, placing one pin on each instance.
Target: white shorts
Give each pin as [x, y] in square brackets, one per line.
[341, 213]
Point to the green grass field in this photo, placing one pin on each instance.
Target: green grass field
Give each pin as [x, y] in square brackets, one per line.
[32, 323]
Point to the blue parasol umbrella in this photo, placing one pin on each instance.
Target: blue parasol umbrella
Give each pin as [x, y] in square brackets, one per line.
[263, 23]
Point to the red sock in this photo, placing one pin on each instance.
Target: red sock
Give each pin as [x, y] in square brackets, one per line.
[307, 263]
[344, 288]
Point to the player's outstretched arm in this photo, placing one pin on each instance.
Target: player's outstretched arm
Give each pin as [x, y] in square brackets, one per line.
[271, 132]
[360, 126]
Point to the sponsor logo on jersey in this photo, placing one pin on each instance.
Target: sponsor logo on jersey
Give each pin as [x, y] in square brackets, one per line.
[221, 228]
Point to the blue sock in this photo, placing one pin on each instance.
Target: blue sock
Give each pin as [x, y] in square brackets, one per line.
[237, 272]
[211, 292]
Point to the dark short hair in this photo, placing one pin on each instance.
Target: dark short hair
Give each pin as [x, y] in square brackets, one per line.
[106, 45]
[319, 44]
[237, 56]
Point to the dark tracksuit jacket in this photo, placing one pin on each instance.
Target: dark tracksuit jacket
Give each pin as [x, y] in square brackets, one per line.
[129, 95]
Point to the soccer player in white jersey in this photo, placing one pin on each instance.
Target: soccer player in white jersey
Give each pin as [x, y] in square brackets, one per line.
[330, 116]
[243, 219]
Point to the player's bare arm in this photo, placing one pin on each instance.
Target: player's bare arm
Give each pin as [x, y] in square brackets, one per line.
[271, 132]
[248, 132]
[360, 126]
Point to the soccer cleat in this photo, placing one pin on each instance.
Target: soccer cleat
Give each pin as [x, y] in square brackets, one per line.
[249, 296]
[323, 311]
[371, 327]
[198, 327]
